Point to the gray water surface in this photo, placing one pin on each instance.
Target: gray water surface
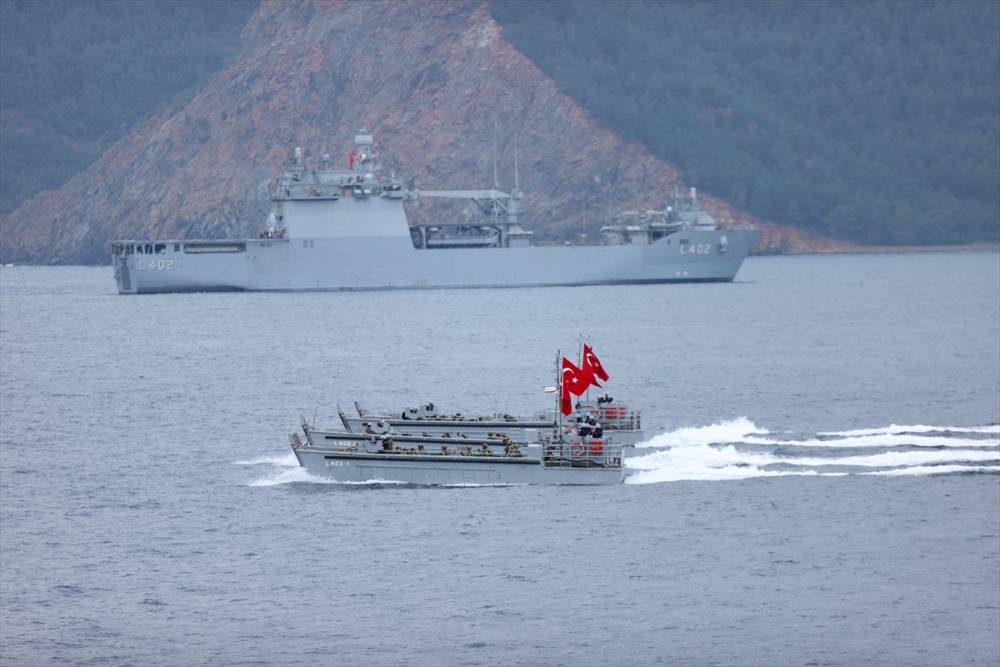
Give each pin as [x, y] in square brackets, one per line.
[820, 486]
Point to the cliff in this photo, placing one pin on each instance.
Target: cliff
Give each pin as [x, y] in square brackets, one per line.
[434, 81]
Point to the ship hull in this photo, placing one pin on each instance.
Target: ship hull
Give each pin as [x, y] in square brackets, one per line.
[373, 263]
[442, 470]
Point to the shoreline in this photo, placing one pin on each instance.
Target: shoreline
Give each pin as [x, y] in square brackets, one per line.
[978, 246]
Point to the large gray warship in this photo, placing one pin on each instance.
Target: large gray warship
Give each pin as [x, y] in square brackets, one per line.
[346, 229]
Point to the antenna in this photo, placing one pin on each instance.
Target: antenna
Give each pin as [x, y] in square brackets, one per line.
[517, 184]
[559, 392]
[496, 181]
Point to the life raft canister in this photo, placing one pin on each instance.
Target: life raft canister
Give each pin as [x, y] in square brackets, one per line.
[597, 447]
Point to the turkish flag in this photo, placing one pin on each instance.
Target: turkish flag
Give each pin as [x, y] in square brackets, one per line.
[574, 381]
[566, 405]
[592, 366]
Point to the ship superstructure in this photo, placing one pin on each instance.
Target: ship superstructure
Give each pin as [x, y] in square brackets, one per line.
[346, 229]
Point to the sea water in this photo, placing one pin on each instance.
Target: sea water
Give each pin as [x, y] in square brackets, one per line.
[820, 484]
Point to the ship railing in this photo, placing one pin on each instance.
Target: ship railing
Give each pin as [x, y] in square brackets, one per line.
[582, 453]
[470, 448]
[398, 415]
[379, 413]
[620, 418]
[439, 451]
[392, 443]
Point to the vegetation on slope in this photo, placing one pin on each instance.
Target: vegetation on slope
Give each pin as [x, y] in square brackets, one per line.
[868, 121]
[75, 76]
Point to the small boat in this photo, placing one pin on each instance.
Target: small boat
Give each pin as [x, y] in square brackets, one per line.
[423, 447]
[602, 415]
[440, 460]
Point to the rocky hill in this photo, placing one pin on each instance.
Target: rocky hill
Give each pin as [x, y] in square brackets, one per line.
[434, 81]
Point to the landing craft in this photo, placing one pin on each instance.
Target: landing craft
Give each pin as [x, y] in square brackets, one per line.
[620, 421]
[503, 451]
[335, 229]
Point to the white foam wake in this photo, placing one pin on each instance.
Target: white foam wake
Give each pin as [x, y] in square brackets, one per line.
[289, 476]
[733, 430]
[713, 474]
[743, 430]
[915, 428]
[932, 470]
[717, 457]
[300, 475]
[698, 456]
[879, 440]
[472, 485]
[286, 461]
[894, 459]
[700, 462]
[718, 452]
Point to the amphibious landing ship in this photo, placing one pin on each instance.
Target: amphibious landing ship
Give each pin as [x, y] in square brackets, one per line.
[346, 229]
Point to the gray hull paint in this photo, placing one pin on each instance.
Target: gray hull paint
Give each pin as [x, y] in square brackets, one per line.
[393, 263]
[519, 432]
[352, 457]
[447, 470]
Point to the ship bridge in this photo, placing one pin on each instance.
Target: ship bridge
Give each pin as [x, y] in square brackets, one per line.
[329, 202]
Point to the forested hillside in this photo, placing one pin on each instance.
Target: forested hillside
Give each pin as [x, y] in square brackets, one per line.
[876, 122]
[74, 76]
[867, 121]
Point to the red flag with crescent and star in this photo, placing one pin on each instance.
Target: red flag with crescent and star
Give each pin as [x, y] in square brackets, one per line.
[592, 366]
[574, 381]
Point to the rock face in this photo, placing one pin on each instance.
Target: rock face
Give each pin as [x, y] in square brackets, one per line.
[437, 84]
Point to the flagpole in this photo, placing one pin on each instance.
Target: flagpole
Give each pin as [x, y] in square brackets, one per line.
[558, 396]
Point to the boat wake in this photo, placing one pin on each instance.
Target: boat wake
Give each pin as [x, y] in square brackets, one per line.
[285, 469]
[298, 475]
[732, 430]
[284, 461]
[917, 428]
[739, 449]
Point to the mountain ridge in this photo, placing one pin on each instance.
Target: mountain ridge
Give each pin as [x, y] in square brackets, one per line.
[435, 82]
[873, 122]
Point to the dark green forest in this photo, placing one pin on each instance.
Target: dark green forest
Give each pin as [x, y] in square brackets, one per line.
[76, 75]
[873, 121]
[876, 122]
